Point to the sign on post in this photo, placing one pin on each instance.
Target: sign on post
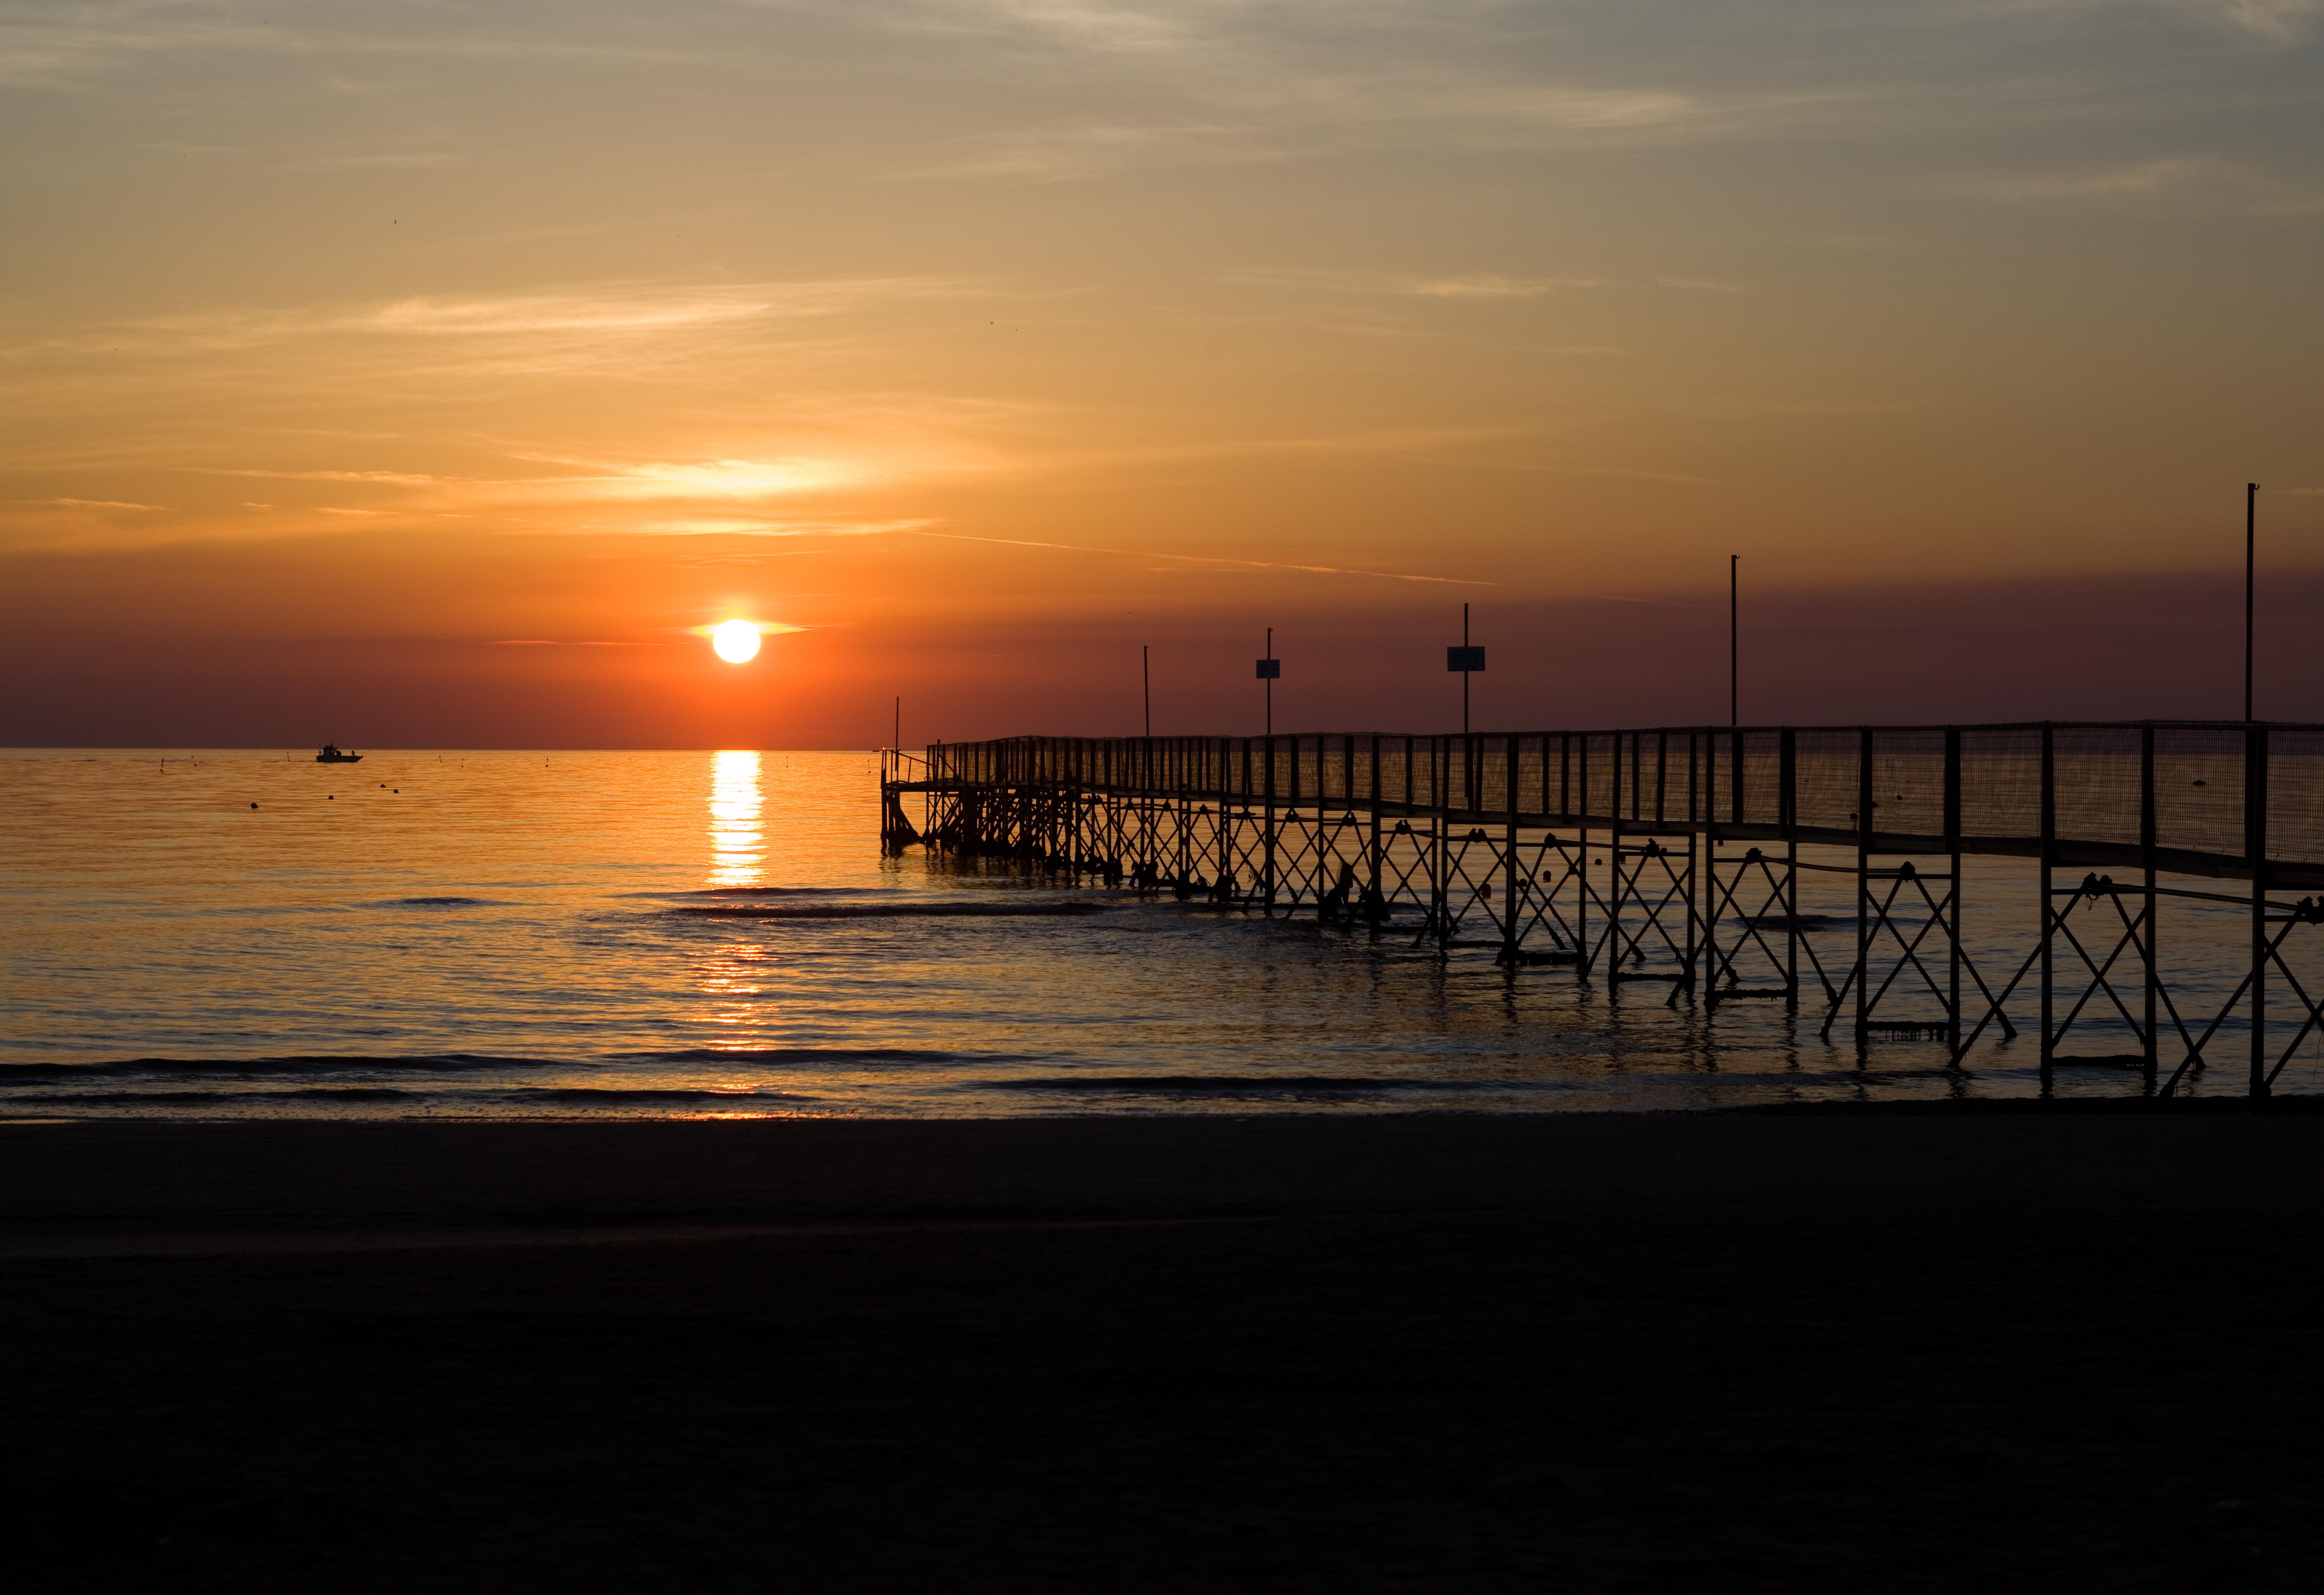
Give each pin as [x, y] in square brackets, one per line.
[1270, 670]
[1464, 659]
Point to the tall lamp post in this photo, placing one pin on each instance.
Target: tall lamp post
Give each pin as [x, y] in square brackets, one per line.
[1468, 661]
[1734, 644]
[1270, 670]
[1146, 681]
[2251, 529]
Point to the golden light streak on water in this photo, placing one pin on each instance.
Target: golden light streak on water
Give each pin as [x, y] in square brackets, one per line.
[738, 835]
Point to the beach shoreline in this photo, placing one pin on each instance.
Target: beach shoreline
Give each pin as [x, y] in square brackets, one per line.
[98, 1177]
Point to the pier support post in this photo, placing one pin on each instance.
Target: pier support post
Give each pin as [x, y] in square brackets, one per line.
[1267, 831]
[1581, 870]
[2255, 851]
[1863, 891]
[1440, 889]
[1787, 813]
[1952, 800]
[1510, 862]
[1695, 868]
[1372, 875]
[2046, 842]
[2151, 916]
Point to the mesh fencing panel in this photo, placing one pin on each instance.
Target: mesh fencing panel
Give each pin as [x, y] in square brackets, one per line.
[1493, 775]
[1597, 785]
[1649, 770]
[1560, 772]
[2295, 794]
[1763, 779]
[1908, 781]
[1531, 766]
[2001, 782]
[2096, 775]
[1457, 755]
[1824, 777]
[2198, 790]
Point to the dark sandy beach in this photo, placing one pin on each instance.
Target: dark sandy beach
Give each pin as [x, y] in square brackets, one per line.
[1895, 1351]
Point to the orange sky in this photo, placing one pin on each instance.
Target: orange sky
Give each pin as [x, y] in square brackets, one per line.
[394, 375]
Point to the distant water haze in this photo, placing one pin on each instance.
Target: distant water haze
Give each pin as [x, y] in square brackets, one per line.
[536, 933]
[2101, 647]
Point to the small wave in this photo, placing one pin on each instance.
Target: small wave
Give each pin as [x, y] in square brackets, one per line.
[749, 891]
[244, 1068]
[923, 1057]
[762, 891]
[891, 911]
[610, 1093]
[1248, 1084]
[441, 902]
[117, 1099]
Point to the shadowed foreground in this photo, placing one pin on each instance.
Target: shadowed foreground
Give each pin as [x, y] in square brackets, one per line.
[1896, 1385]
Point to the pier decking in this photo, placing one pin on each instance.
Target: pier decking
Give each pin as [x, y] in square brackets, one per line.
[1674, 855]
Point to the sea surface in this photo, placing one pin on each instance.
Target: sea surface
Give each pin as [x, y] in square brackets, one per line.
[195, 934]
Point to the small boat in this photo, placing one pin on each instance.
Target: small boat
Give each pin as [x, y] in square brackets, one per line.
[331, 755]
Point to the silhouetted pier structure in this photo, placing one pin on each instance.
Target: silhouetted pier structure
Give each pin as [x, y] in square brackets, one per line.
[1675, 856]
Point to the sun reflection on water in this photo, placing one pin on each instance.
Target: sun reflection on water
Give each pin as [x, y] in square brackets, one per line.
[730, 977]
[738, 836]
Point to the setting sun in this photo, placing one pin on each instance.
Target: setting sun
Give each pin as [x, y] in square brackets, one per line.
[737, 642]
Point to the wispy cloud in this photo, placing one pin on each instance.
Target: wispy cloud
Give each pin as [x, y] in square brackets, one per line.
[2178, 182]
[1491, 286]
[85, 503]
[1212, 560]
[697, 479]
[766, 527]
[2275, 22]
[1063, 153]
[582, 314]
[396, 478]
[2281, 21]
[67, 44]
[1315, 119]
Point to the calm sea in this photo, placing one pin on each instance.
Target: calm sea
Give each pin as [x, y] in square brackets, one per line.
[220, 934]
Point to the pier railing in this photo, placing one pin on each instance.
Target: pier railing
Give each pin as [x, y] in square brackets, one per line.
[1674, 853]
[2203, 797]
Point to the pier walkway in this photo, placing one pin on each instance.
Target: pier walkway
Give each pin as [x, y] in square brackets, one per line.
[1679, 856]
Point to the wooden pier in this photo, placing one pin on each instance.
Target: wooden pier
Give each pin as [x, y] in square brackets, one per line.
[1676, 856]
